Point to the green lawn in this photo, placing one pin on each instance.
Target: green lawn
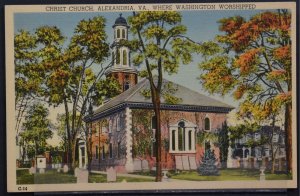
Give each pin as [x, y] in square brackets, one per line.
[229, 174]
[50, 177]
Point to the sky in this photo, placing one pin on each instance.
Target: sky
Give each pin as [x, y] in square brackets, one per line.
[202, 25]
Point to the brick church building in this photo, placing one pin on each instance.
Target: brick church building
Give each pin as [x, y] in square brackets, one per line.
[125, 121]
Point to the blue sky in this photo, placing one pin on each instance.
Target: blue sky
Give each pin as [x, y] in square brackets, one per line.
[201, 25]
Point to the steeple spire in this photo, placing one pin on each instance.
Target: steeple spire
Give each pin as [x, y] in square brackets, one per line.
[122, 69]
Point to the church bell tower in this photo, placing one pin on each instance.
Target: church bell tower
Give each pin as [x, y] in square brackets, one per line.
[121, 68]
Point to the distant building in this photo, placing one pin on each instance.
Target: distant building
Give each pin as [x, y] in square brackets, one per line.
[127, 121]
[275, 137]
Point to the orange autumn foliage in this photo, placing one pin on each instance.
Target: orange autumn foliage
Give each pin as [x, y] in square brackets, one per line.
[240, 91]
[240, 33]
[246, 62]
[283, 53]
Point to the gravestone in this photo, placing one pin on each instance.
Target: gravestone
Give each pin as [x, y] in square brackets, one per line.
[41, 163]
[178, 163]
[192, 161]
[153, 168]
[111, 175]
[145, 165]
[137, 165]
[41, 170]
[82, 176]
[32, 170]
[76, 171]
[66, 168]
[185, 163]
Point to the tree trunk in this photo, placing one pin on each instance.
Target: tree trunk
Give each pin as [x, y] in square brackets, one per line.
[288, 138]
[73, 154]
[89, 148]
[158, 139]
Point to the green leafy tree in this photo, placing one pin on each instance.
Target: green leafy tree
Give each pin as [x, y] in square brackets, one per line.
[160, 44]
[72, 75]
[254, 65]
[26, 83]
[223, 142]
[37, 129]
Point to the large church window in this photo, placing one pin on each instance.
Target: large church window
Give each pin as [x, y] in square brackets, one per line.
[207, 124]
[124, 57]
[182, 138]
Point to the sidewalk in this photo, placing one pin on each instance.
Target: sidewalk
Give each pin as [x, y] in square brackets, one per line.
[134, 176]
[125, 175]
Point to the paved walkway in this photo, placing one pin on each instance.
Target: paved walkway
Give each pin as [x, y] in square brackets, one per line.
[125, 175]
[134, 176]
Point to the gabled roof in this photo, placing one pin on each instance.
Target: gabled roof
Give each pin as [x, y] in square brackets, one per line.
[190, 101]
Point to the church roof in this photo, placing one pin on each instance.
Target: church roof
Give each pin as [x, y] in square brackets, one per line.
[133, 98]
[120, 21]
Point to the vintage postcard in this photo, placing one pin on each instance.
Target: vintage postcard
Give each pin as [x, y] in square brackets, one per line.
[151, 96]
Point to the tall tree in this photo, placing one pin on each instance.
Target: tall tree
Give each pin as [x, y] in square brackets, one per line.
[73, 73]
[256, 66]
[26, 82]
[160, 44]
[223, 141]
[37, 128]
[74, 81]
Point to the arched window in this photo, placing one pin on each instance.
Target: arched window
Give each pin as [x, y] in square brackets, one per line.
[118, 57]
[153, 122]
[118, 33]
[182, 138]
[126, 86]
[124, 57]
[123, 33]
[206, 124]
[118, 124]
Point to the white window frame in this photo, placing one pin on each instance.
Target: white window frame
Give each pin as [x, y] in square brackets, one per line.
[188, 127]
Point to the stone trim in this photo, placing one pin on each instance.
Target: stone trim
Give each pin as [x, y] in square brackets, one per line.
[128, 130]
